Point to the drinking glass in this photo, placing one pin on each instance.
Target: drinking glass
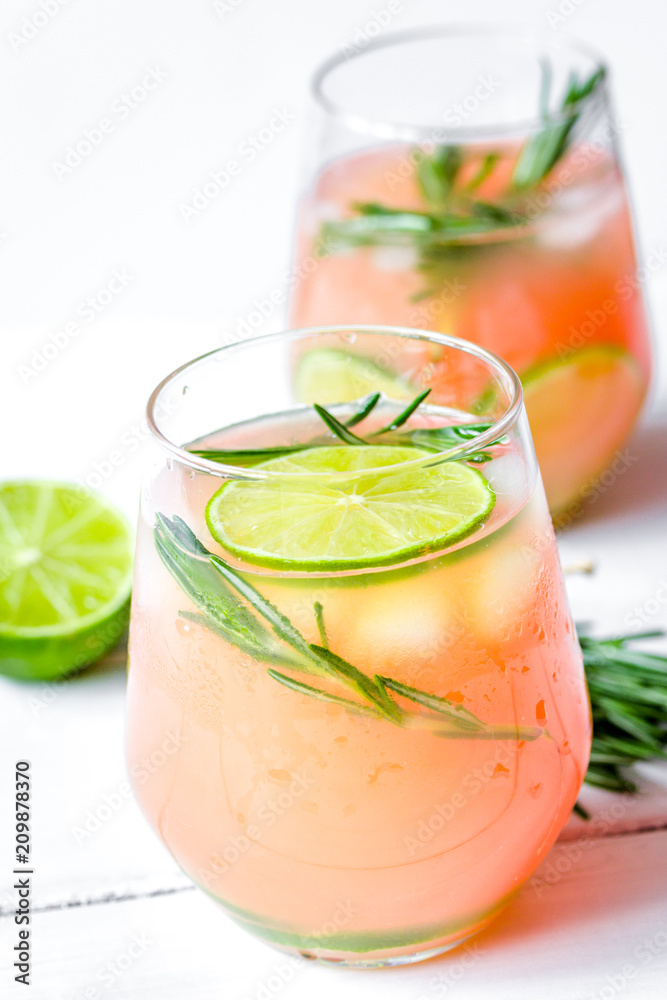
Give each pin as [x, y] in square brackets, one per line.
[466, 181]
[357, 714]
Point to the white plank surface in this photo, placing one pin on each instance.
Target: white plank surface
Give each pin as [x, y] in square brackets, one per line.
[588, 921]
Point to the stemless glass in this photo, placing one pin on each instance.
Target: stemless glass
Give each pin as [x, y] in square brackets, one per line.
[466, 180]
[361, 760]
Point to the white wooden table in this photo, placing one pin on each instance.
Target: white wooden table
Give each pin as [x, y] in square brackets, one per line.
[113, 917]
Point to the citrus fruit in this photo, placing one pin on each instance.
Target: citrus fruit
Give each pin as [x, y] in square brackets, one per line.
[65, 578]
[318, 520]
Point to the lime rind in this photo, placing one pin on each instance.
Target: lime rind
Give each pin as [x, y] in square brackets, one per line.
[531, 377]
[378, 517]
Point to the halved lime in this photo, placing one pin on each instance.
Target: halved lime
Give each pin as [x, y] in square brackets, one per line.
[330, 375]
[581, 410]
[65, 578]
[374, 517]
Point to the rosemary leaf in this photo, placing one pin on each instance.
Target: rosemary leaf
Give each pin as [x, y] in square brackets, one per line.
[335, 426]
[367, 406]
[405, 415]
[319, 619]
[301, 688]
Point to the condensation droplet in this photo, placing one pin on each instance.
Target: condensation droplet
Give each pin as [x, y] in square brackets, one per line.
[184, 628]
[381, 769]
[311, 807]
[535, 790]
[541, 713]
[340, 739]
[280, 776]
[500, 769]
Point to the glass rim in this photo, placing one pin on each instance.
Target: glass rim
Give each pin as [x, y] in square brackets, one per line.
[496, 430]
[406, 131]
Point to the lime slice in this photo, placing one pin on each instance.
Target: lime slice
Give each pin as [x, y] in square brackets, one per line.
[374, 517]
[329, 375]
[65, 578]
[581, 411]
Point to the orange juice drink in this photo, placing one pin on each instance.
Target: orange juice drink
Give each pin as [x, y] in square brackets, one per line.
[522, 245]
[351, 642]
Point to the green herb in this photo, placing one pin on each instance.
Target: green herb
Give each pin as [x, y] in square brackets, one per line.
[233, 608]
[453, 215]
[319, 620]
[243, 456]
[434, 439]
[189, 563]
[403, 417]
[436, 174]
[487, 167]
[367, 406]
[335, 426]
[301, 688]
[628, 691]
[628, 688]
[542, 151]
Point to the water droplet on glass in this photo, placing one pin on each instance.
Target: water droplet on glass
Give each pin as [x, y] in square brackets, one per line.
[280, 776]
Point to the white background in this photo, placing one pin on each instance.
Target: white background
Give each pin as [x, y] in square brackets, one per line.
[227, 67]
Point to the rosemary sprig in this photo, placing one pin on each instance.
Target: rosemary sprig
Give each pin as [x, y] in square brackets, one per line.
[628, 692]
[428, 438]
[367, 407]
[240, 614]
[335, 426]
[453, 214]
[542, 151]
[628, 688]
[403, 417]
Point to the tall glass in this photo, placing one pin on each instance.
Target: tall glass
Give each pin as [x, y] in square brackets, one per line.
[467, 181]
[364, 697]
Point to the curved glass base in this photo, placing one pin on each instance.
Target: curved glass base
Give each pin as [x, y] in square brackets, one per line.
[359, 962]
[366, 949]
